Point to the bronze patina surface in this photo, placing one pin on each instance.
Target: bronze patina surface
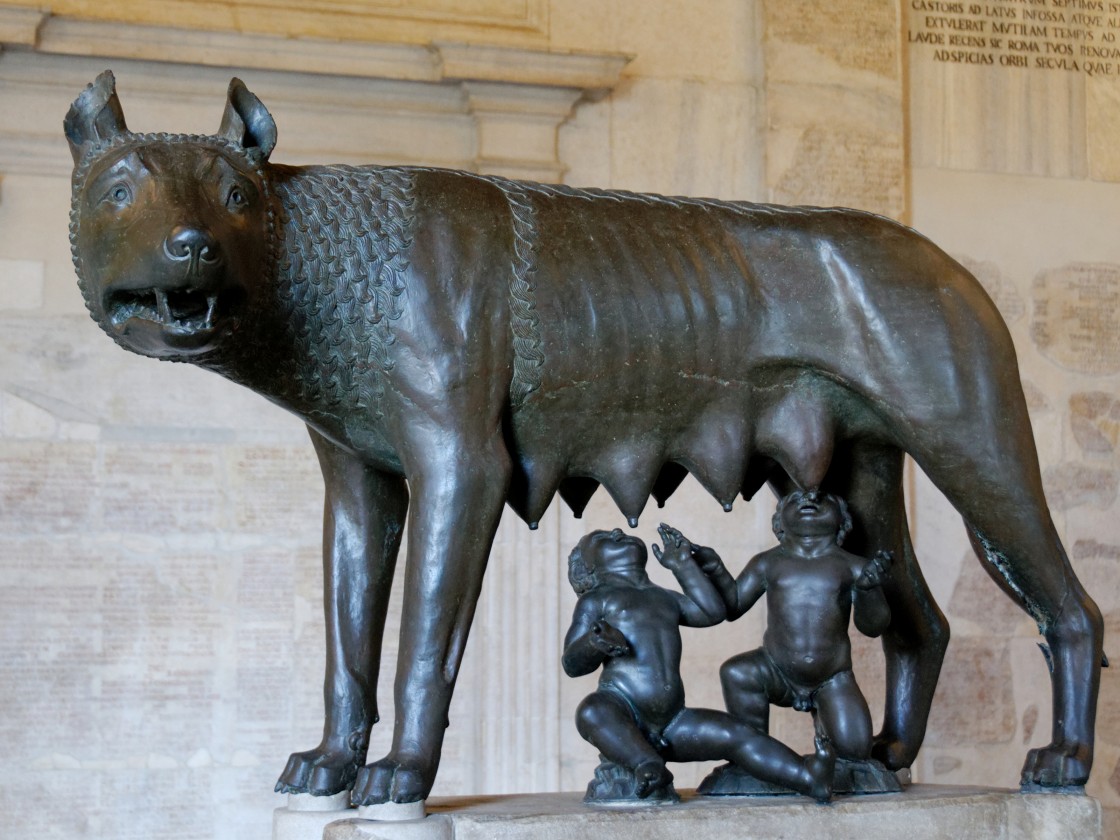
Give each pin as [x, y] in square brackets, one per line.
[457, 342]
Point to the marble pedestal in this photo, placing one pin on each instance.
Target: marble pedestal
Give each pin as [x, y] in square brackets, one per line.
[307, 816]
[922, 812]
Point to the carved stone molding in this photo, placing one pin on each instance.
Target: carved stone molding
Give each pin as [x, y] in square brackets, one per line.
[482, 107]
[593, 73]
[20, 26]
[520, 21]
[517, 129]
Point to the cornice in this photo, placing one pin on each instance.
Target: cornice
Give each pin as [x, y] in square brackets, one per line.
[488, 108]
[437, 62]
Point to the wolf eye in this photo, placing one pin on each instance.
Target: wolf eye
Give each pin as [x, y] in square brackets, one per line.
[236, 198]
[118, 194]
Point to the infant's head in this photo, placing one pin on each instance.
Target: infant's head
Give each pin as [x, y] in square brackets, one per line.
[604, 551]
[811, 513]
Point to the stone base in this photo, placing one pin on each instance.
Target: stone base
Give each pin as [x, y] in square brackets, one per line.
[306, 816]
[392, 811]
[922, 812]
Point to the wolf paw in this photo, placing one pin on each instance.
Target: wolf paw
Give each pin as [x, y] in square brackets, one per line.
[1058, 765]
[393, 780]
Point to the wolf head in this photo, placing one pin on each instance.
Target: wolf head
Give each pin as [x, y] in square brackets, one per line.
[170, 234]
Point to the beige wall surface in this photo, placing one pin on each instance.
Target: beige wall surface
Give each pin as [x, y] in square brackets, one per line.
[160, 625]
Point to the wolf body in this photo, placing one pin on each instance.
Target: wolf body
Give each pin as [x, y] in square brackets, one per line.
[456, 342]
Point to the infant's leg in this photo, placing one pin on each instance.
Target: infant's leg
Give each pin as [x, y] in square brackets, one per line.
[607, 722]
[705, 734]
[750, 685]
[842, 716]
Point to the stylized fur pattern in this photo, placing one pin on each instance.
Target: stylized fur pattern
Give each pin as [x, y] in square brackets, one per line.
[524, 323]
[344, 237]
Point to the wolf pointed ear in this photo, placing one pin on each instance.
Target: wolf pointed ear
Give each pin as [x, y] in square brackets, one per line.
[246, 120]
[95, 116]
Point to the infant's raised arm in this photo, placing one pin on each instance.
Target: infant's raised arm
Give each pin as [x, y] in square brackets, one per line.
[701, 605]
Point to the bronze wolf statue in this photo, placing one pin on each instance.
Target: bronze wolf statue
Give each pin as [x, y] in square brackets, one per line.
[458, 342]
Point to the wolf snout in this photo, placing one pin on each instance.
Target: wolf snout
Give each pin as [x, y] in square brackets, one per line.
[193, 245]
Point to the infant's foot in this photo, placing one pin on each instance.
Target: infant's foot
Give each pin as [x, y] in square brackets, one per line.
[651, 776]
[820, 767]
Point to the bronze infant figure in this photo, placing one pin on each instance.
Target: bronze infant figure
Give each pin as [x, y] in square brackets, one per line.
[630, 627]
[457, 342]
[813, 588]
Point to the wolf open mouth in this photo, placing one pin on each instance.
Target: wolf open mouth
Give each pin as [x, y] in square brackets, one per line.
[186, 310]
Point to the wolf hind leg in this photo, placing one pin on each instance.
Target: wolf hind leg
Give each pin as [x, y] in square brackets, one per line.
[999, 494]
[1044, 585]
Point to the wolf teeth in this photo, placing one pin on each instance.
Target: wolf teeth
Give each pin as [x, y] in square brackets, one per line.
[188, 309]
[162, 306]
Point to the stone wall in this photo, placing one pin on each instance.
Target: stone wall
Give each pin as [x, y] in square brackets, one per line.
[160, 634]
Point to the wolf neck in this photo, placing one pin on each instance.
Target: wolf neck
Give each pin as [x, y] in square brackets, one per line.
[342, 237]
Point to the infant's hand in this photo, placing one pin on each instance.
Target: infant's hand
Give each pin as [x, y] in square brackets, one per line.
[677, 548]
[875, 571]
[608, 639]
[707, 559]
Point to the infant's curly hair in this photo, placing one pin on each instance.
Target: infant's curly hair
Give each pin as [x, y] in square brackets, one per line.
[580, 575]
[796, 496]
